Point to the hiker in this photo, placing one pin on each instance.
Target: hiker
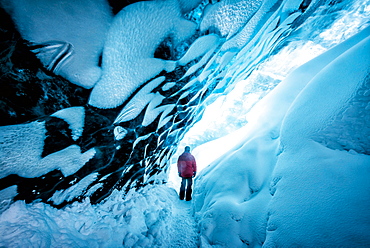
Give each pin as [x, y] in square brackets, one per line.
[187, 169]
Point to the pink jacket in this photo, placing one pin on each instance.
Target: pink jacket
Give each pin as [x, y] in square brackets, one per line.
[186, 165]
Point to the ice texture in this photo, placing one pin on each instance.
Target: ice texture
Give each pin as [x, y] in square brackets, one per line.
[200, 47]
[75, 118]
[229, 16]
[119, 132]
[128, 56]
[296, 175]
[70, 33]
[296, 188]
[75, 190]
[150, 217]
[21, 148]
[188, 5]
[133, 108]
[5, 197]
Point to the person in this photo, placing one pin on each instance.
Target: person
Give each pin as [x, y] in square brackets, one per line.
[187, 168]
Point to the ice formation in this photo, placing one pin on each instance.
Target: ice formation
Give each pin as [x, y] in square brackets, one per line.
[75, 118]
[21, 150]
[228, 17]
[287, 177]
[67, 37]
[85, 157]
[128, 56]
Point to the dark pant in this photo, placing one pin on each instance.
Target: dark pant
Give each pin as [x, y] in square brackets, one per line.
[189, 182]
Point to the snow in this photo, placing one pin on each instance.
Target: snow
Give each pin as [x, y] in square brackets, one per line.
[328, 174]
[68, 160]
[133, 108]
[239, 205]
[75, 29]
[284, 181]
[151, 217]
[229, 16]
[296, 175]
[248, 31]
[200, 47]
[75, 118]
[21, 148]
[329, 208]
[74, 191]
[345, 88]
[128, 56]
[185, 225]
[145, 98]
[6, 195]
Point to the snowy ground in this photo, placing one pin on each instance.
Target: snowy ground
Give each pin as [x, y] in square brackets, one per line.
[151, 217]
[185, 229]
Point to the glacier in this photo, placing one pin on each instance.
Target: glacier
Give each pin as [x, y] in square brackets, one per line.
[281, 153]
[99, 98]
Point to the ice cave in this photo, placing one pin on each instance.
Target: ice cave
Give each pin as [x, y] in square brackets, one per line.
[100, 97]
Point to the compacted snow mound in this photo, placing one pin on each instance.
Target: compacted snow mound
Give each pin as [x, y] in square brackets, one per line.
[128, 56]
[150, 217]
[316, 183]
[350, 130]
[290, 181]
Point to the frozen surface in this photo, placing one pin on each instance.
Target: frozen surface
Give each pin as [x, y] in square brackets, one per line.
[278, 152]
[5, 196]
[152, 217]
[68, 35]
[26, 142]
[329, 174]
[227, 17]
[133, 108]
[74, 191]
[188, 5]
[128, 57]
[200, 47]
[294, 175]
[21, 149]
[228, 113]
[75, 118]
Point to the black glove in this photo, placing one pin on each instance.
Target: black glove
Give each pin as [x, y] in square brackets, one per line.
[194, 173]
[179, 174]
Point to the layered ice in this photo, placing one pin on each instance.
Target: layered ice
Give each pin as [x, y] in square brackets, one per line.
[67, 36]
